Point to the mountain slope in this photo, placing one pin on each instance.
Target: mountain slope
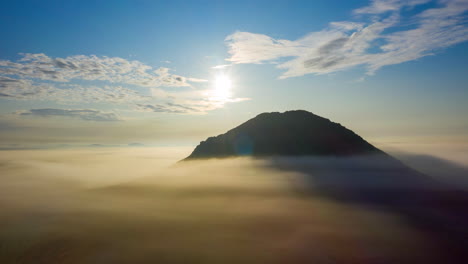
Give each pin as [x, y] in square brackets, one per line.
[292, 133]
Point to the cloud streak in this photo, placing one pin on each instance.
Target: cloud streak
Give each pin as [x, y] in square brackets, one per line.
[187, 102]
[382, 6]
[375, 42]
[92, 79]
[18, 89]
[83, 114]
[193, 101]
[91, 68]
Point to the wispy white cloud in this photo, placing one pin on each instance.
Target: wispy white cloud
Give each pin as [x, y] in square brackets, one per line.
[38, 77]
[375, 42]
[186, 102]
[222, 66]
[168, 108]
[19, 89]
[196, 80]
[188, 106]
[382, 6]
[191, 101]
[83, 114]
[91, 68]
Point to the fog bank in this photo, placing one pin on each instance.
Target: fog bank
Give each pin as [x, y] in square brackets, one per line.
[135, 206]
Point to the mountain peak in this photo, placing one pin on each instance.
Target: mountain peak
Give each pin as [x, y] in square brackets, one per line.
[292, 133]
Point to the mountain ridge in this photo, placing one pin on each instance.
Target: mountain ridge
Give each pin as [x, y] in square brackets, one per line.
[292, 133]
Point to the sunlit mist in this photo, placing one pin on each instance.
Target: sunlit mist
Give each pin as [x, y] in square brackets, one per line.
[181, 212]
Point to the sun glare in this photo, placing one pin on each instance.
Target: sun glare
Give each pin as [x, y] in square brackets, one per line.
[222, 87]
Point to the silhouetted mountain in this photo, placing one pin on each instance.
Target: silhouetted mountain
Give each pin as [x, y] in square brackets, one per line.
[337, 164]
[292, 133]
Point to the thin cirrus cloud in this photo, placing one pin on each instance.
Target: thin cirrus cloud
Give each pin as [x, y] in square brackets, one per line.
[72, 80]
[40, 77]
[381, 6]
[83, 114]
[70, 93]
[187, 102]
[188, 107]
[374, 40]
[168, 108]
[91, 68]
[159, 100]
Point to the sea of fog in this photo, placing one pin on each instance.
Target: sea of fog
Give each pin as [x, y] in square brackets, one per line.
[138, 205]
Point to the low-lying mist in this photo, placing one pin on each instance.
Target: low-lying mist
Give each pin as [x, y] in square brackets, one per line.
[137, 205]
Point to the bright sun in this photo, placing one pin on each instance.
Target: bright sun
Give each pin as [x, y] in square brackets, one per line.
[222, 87]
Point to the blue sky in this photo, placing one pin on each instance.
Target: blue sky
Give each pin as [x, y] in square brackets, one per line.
[73, 71]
